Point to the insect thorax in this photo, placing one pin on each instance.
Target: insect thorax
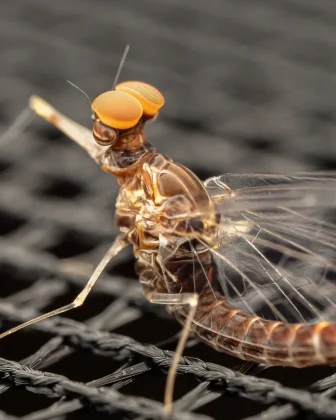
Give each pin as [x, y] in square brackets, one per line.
[164, 208]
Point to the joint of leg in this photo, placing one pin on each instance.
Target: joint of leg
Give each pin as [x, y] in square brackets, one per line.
[78, 301]
[193, 299]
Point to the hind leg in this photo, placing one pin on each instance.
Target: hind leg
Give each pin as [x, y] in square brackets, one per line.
[180, 299]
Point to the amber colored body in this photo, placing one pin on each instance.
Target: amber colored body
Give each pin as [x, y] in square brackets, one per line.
[175, 228]
[160, 198]
[174, 225]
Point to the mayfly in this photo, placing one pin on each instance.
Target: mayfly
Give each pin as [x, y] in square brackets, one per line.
[246, 262]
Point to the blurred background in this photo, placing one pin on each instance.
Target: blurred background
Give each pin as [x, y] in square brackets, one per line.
[249, 86]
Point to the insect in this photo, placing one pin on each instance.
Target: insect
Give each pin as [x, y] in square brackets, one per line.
[246, 262]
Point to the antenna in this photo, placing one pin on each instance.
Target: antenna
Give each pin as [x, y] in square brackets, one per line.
[121, 64]
[84, 93]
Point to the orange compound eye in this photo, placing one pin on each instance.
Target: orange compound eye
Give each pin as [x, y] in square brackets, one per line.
[117, 109]
[150, 98]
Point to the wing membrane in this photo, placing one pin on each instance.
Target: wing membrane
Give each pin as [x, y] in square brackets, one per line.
[277, 256]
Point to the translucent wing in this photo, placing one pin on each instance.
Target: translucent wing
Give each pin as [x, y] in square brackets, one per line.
[277, 257]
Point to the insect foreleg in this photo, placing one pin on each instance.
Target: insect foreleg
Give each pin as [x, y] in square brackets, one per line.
[77, 132]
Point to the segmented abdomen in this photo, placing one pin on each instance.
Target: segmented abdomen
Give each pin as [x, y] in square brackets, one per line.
[256, 339]
[230, 330]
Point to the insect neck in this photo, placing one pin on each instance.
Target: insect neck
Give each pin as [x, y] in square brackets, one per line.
[127, 153]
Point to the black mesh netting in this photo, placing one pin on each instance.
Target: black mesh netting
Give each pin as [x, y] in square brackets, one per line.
[250, 86]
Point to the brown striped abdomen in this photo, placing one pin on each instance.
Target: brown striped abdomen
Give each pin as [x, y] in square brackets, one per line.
[230, 330]
[255, 339]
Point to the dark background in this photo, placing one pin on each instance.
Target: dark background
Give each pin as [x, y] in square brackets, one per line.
[249, 86]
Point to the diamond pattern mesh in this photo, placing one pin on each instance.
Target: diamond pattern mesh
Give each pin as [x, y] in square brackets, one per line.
[249, 86]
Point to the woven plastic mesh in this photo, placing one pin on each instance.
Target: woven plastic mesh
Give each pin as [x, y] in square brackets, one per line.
[250, 86]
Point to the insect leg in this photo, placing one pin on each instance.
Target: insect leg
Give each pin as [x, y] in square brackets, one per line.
[180, 299]
[21, 121]
[77, 132]
[251, 368]
[119, 243]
